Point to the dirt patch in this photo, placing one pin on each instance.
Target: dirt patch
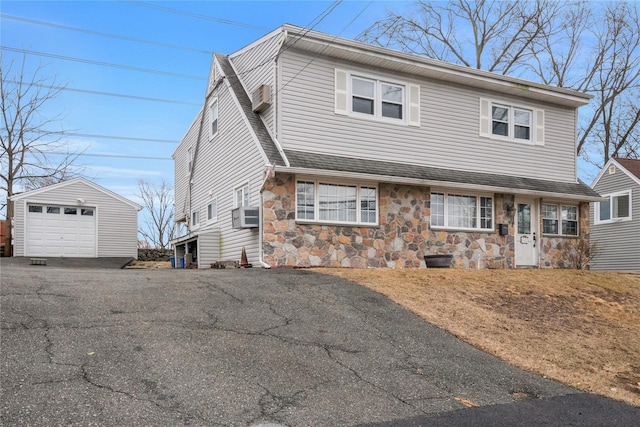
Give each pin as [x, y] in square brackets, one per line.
[149, 264]
[579, 327]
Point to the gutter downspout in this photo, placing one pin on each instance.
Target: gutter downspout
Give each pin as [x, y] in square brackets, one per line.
[270, 169]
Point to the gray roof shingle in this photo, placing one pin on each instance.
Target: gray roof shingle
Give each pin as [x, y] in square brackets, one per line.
[510, 184]
[316, 161]
[264, 138]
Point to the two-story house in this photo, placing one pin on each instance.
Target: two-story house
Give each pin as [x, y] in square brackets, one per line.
[615, 226]
[313, 150]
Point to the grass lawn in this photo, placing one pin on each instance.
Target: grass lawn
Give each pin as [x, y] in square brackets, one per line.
[579, 327]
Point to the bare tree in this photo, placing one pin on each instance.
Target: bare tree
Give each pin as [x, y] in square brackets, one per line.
[585, 46]
[158, 228]
[31, 152]
[492, 35]
[614, 128]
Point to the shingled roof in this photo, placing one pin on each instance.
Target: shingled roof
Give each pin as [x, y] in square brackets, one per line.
[440, 176]
[632, 165]
[264, 138]
[316, 163]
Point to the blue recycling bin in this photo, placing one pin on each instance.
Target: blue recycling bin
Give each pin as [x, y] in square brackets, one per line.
[182, 262]
[173, 261]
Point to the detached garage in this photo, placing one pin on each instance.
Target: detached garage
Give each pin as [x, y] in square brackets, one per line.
[75, 218]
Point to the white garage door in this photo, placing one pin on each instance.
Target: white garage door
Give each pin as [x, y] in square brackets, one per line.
[68, 231]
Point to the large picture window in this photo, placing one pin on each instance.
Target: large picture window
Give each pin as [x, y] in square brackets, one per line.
[560, 219]
[336, 203]
[617, 207]
[458, 211]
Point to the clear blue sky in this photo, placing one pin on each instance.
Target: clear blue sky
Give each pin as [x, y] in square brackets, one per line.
[231, 25]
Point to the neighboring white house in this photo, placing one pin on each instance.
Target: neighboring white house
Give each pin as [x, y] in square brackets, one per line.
[615, 224]
[314, 150]
[74, 218]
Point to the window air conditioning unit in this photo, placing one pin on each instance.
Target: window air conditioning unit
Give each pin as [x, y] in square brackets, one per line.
[245, 217]
[261, 98]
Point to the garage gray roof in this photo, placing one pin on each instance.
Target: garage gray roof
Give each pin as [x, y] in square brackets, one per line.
[315, 163]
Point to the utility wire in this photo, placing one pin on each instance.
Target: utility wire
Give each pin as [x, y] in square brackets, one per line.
[326, 46]
[123, 138]
[97, 33]
[196, 15]
[119, 95]
[104, 64]
[116, 156]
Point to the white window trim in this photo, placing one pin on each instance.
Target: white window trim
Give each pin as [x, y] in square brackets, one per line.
[344, 98]
[189, 159]
[213, 219]
[446, 211]
[316, 204]
[559, 207]
[213, 103]
[235, 191]
[486, 122]
[596, 209]
[195, 214]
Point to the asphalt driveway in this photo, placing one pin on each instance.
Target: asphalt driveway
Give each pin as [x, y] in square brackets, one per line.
[247, 348]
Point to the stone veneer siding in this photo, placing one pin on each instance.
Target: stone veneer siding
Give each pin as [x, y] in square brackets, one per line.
[401, 239]
[568, 252]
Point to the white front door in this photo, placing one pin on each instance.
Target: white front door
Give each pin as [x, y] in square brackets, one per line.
[527, 237]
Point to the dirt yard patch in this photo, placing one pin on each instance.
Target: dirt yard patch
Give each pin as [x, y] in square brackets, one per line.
[149, 264]
[579, 327]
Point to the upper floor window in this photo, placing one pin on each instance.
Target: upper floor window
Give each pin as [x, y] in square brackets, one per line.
[504, 121]
[459, 211]
[195, 219]
[336, 203]
[189, 159]
[616, 208]
[242, 196]
[560, 219]
[377, 98]
[511, 122]
[213, 117]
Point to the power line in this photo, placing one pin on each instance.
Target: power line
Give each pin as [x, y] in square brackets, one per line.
[104, 64]
[326, 46]
[119, 95]
[116, 156]
[300, 36]
[124, 138]
[97, 33]
[196, 15]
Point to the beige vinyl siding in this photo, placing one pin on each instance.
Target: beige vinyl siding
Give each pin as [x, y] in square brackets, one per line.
[116, 221]
[230, 159]
[448, 136]
[19, 208]
[257, 66]
[181, 180]
[618, 243]
[208, 248]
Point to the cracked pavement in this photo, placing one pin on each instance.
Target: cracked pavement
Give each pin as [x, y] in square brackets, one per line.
[240, 348]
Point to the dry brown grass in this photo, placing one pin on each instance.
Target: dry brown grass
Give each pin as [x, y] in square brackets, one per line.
[579, 327]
